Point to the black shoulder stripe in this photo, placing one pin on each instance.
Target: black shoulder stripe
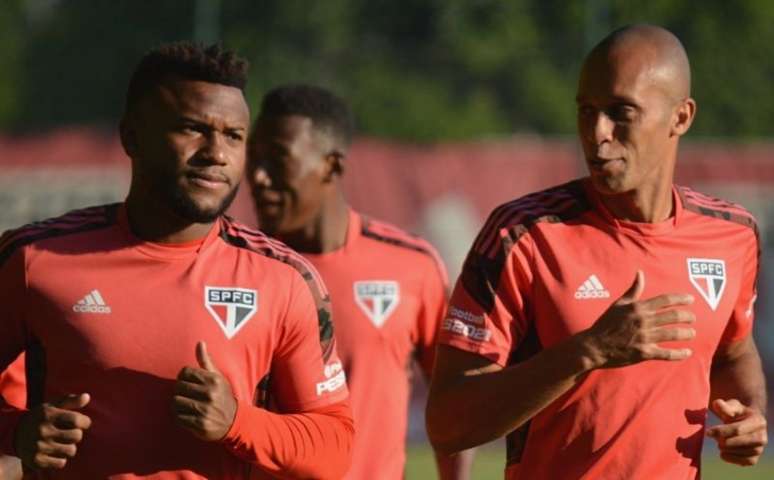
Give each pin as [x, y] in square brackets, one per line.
[719, 213]
[323, 303]
[108, 220]
[366, 232]
[481, 273]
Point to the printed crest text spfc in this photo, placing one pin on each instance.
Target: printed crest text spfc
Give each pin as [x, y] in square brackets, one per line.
[378, 299]
[231, 307]
[708, 275]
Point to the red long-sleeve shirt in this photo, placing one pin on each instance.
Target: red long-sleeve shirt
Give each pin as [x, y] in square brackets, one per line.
[97, 310]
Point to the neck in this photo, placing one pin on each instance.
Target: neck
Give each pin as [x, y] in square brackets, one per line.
[325, 233]
[154, 222]
[644, 205]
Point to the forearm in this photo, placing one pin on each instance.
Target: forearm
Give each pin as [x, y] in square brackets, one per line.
[455, 466]
[740, 378]
[487, 406]
[315, 444]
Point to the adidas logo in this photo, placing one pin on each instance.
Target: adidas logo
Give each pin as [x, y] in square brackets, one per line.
[591, 288]
[91, 303]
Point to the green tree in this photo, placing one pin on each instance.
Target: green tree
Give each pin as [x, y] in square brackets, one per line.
[416, 70]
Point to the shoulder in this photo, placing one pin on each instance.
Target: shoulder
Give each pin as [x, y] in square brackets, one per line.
[240, 236]
[402, 242]
[715, 208]
[511, 220]
[71, 223]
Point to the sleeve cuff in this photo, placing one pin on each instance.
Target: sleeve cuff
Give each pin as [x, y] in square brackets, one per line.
[234, 434]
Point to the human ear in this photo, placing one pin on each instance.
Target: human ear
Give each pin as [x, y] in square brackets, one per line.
[128, 137]
[683, 117]
[334, 165]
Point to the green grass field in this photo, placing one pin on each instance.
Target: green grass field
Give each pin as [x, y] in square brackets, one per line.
[489, 464]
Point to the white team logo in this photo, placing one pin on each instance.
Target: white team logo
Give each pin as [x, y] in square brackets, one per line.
[91, 303]
[591, 288]
[378, 299]
[231, 307]
[335, 378]
[708, 275]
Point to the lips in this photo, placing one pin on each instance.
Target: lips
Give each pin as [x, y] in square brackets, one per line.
[266, 199]
[606, 165]
[208, 179]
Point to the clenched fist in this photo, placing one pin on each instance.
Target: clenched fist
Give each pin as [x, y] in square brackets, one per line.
[48, 435]
[742, 436]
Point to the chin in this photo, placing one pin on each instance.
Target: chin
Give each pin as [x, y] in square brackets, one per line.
[200, 210]
[609, 185]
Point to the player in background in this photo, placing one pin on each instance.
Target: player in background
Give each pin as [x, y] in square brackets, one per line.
[388, 288]
[155, 329]
[595, 322]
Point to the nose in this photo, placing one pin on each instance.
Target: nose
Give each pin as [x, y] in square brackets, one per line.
[214, 149]
[261, 177]
[602, 130]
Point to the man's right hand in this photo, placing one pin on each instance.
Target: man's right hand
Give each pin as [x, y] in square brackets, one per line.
[631, 329]
[48, 434]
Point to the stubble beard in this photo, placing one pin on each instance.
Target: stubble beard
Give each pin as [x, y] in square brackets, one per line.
[185, 207]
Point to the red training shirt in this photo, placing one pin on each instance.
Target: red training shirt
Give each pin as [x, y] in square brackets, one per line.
[98, 310]
[388, 291]
[546, 266]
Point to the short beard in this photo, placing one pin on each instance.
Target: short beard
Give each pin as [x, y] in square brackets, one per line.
[185, 208]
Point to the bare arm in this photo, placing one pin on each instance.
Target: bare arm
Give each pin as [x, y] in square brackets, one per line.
[738, 397]
[478, 394]
[456, 466]
[474, 392]
[737, 373]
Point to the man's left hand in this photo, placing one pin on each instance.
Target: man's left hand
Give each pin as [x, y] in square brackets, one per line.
[742, 436]
[204, 403]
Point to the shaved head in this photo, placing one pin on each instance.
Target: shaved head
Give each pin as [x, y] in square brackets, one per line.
[634, 104]
[653, 50]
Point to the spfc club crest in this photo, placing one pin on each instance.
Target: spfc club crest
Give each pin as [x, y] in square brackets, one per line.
[708, 275]
[231, 307]
[378, 299]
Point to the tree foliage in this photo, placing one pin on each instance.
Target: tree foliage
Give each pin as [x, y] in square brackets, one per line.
[418, 70]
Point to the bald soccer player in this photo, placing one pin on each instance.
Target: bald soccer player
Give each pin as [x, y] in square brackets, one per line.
[388, 288]
[596, 322]
[155, 329]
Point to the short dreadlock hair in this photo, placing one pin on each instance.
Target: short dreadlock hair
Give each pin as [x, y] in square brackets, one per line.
[327, 111]
[188, 60]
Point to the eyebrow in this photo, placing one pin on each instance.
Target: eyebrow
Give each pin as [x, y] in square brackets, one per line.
[199, 121]
[614, 98]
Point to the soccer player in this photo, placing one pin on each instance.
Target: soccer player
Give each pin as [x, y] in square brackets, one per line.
[157, 331]
[388, 288]
[595, 322]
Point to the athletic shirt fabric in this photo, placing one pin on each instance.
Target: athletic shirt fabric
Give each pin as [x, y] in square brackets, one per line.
[388, 292]
[98, 310]
[547, 265]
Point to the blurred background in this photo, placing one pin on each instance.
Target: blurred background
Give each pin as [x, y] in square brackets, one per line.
[460, 105]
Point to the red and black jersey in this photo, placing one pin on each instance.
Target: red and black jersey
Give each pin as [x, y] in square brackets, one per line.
[546, 266]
